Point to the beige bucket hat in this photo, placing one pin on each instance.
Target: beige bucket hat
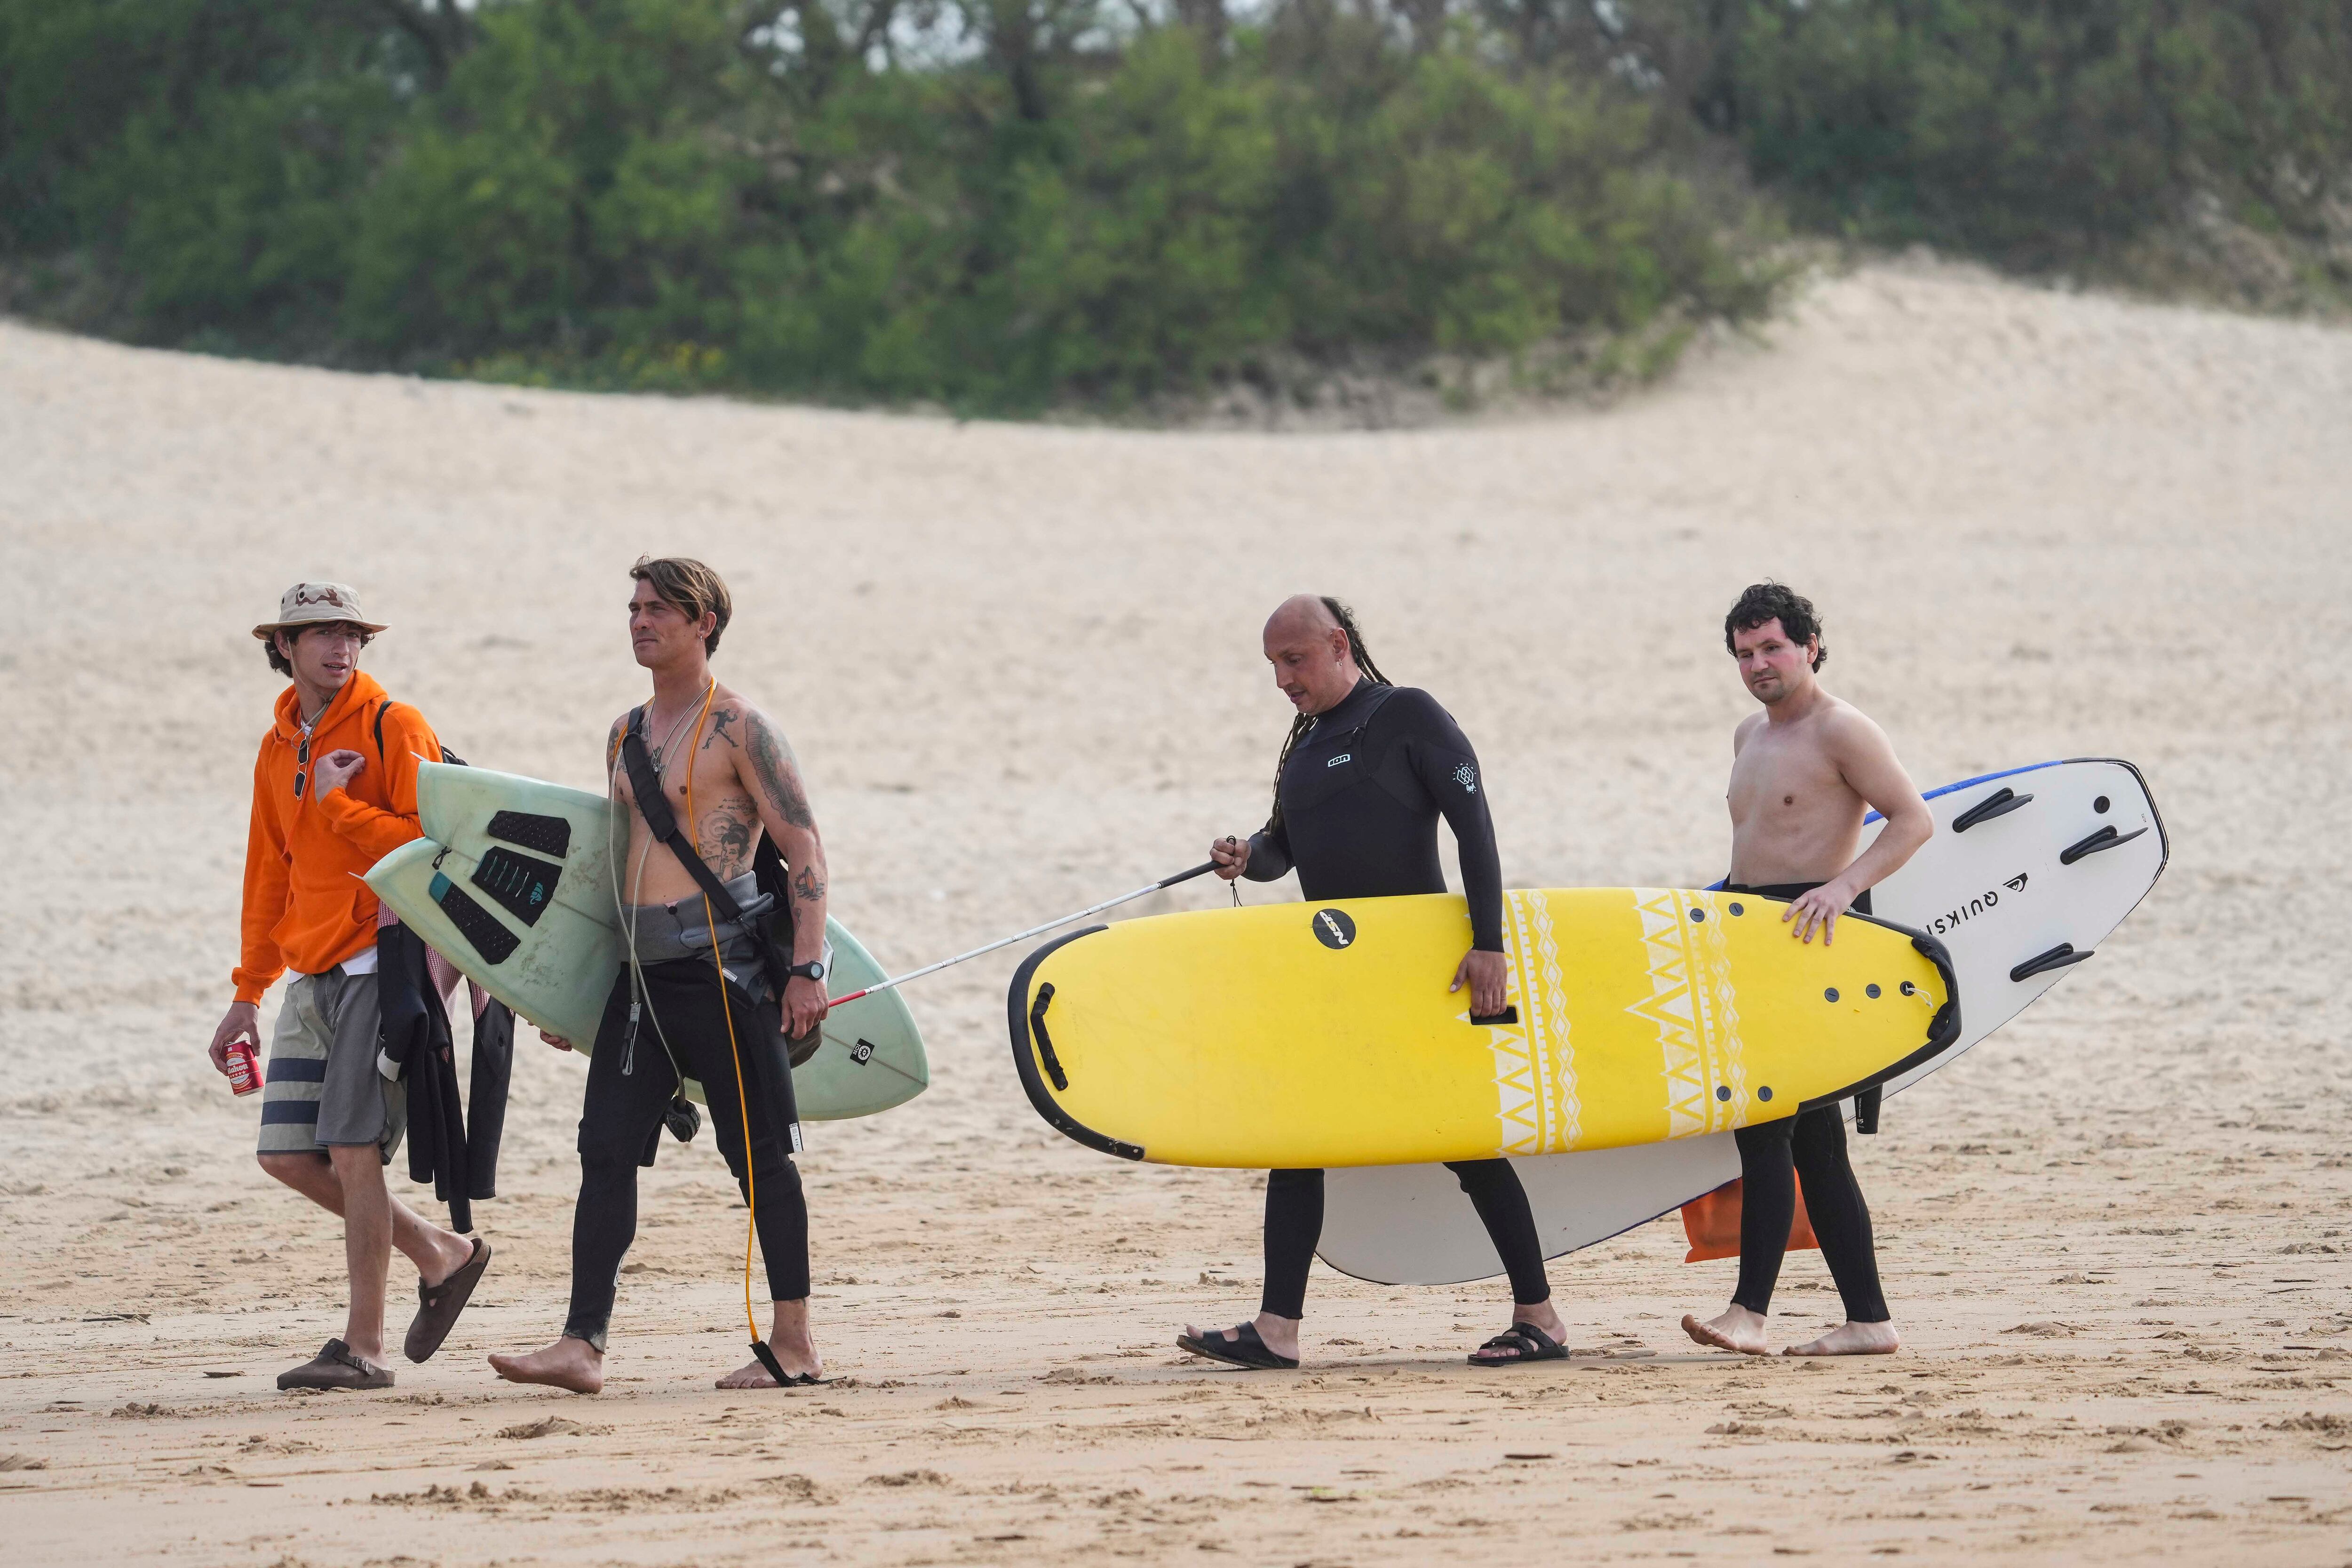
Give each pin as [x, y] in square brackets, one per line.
[308, 604]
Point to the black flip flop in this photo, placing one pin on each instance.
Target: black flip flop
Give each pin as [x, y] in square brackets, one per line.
[1244, 1349]
[439, 1305]
[1531, 1344]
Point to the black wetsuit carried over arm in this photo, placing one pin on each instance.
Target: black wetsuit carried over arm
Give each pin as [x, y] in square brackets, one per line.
[1358, 804]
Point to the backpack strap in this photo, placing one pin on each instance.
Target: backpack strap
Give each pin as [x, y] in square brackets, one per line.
[652, 804]
[452, 758]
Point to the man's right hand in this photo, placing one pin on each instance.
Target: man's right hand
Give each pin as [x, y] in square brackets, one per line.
[1231, 856]
[242, 1019]
[558, 1041]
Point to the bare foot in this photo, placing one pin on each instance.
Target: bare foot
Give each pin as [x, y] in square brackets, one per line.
[795, 1348]
[753, 1376]
[1735, 1329]
[1852, 1339]
[568, 1364]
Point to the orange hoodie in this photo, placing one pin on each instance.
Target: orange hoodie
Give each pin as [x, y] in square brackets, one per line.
[305, 906]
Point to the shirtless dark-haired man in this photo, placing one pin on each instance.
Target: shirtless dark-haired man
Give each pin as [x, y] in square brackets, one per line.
[1803, 774]
[674, 1010]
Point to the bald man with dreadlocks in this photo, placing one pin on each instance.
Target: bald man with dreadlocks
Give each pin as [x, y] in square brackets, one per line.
[1367, 772]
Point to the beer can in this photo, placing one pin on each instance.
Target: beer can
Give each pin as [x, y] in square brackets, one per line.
[243, 1067]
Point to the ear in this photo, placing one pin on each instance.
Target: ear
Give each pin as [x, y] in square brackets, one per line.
[706, 625]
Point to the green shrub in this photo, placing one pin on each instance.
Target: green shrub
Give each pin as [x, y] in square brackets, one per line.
[638, 194]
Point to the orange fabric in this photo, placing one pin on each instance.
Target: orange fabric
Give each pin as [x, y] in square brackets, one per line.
[305, 906]
[1711, 1221]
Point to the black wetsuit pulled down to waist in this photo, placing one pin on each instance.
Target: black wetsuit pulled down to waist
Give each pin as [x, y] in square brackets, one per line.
[1360, 802]
[1810, 1147]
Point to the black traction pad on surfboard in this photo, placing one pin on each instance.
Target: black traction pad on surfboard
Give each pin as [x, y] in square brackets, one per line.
[523, 885]
[475, 924]
[548, 835]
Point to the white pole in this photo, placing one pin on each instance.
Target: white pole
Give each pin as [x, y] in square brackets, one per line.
[1205, 866]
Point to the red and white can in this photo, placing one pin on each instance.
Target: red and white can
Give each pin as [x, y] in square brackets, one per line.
[243, 1067]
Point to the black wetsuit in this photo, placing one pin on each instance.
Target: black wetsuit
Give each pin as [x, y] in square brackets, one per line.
[630, 1084]
[1810, 1145]
[1360, 803]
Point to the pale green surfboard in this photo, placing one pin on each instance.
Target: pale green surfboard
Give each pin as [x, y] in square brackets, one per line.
[512, 883]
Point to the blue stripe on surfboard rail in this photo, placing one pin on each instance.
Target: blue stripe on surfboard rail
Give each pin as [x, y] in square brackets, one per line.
[1981, 778]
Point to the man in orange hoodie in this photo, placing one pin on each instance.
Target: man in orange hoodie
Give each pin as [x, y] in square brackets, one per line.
[334, 791]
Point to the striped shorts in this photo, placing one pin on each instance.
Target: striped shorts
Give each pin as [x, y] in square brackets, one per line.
[322, 1086]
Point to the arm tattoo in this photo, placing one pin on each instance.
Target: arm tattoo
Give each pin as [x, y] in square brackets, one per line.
[808, 885]
[778, 779]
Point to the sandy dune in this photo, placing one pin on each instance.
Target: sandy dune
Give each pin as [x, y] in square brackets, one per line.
[1020, 664]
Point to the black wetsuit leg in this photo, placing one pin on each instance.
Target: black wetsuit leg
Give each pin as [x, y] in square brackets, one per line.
[628, 1089]
[629, 1084]
[1810, 1144]
[1768, 1208]
[1502, 1203]
[1294, 1223]
[1841, 1218]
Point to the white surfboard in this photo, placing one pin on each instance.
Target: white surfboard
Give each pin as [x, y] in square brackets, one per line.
[2027, 872]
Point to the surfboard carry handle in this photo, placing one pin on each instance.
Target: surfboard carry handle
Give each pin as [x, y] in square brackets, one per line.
[2105, 838]
[1045, 1042]
[2058, 957]
[1023, 1022]
[2000, 802]
[1510, 1014]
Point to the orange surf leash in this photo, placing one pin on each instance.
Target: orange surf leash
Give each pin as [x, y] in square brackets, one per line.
[767, 1357]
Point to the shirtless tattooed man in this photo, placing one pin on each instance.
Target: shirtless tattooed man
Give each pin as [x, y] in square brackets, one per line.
[670, 1014]
[1803, 773]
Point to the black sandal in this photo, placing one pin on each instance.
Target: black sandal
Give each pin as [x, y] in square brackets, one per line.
[1530, 1343]
[1244, 1349]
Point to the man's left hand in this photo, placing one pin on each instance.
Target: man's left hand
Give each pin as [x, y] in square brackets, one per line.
[1818, 910]
[1488, 978]
[336, 769]
[804, 1007]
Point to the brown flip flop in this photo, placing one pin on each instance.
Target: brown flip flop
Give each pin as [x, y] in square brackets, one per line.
[336, 1367]
[439, 1305]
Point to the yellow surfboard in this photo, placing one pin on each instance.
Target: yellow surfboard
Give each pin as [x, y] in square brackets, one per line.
[1306, 1034]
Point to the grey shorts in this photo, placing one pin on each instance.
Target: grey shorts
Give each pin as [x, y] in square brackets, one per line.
[321, 1087]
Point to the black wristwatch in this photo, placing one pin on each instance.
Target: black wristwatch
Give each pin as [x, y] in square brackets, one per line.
[813, 969]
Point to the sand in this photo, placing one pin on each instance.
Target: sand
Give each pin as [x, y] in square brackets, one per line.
[1020, 664]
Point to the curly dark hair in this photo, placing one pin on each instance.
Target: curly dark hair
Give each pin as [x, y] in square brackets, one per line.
[1770, 601]
[278, 661]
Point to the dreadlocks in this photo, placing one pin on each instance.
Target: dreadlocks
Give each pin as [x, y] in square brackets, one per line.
[1303, 722]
